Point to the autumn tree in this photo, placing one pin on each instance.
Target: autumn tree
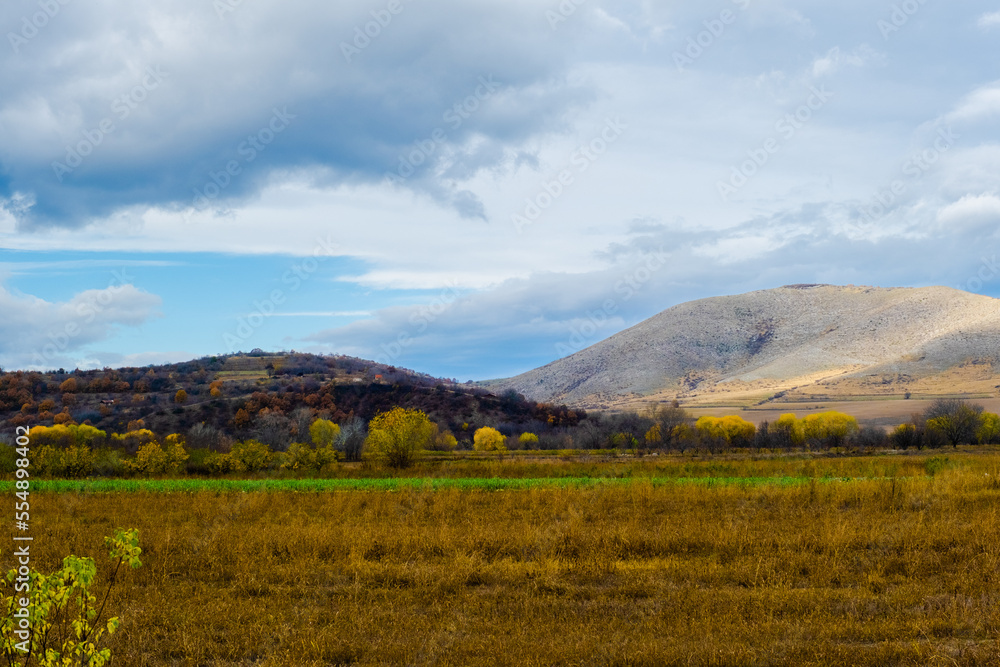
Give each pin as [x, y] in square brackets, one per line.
[956, 420]
[488, 439]
[181, 397]
[828, 429]
[324, 432]
[667, 422]
[732, 430]
[397, 437]
[528, 440]
[989, 429]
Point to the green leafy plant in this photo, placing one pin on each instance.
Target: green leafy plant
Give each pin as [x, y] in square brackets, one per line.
[61, 626]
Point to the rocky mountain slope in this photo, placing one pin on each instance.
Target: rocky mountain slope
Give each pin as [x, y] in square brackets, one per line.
[769, 340]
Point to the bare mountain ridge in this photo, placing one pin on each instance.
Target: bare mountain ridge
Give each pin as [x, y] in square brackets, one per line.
[792, 335]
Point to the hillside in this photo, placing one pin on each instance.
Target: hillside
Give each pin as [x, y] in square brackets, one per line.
[272, 397]
[799, 340]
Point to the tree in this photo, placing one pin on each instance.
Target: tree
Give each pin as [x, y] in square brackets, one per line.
[989, 429]
[181, 397]
[668, 419]
[488, 439]
[397, 437]
[324, 432]
[828, 429]
[351, 443]
[956, 420]
[528, 440]
[732, 430]
[443, 441]
[905, 436]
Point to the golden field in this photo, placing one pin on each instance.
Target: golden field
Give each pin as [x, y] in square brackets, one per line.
[900, 569]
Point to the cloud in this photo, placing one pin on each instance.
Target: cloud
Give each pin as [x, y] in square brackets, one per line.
[39, 334]
[989, 20]
[981, 103]
[835, 59]
[971, 211]
[198, 109]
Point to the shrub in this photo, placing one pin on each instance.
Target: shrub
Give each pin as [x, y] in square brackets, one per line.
[108, 463]
[222, 464]
[64, 616]
[252, 455]
[154, 459]
[299, 457]
[73, 462]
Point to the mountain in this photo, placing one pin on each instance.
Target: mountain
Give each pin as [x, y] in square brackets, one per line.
[798, 338]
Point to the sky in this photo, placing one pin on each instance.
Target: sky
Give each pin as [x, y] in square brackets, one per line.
[474, 189]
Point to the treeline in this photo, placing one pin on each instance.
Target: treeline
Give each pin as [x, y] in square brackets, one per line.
[399, 436]
[946, 422]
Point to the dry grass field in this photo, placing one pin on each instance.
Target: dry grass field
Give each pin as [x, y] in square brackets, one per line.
[886, 571]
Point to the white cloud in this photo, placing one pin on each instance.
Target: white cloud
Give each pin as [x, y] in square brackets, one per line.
[35, 333]
[835, 60]
[989, 20]
[971, 211]
[981, 103]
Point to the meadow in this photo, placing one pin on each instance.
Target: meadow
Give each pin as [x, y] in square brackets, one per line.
[887, 560]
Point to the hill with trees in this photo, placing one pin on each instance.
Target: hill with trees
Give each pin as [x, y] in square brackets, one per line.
[273, 398]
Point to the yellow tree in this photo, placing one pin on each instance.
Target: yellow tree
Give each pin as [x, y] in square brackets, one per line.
[488, 439]
[180, 397]
[790, 430]
[324, 432]
[731, 429]
[828, 429]
[737, 431]
[397, 437]
[989, 429]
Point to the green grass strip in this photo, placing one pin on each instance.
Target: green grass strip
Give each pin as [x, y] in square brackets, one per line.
[388, 484]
